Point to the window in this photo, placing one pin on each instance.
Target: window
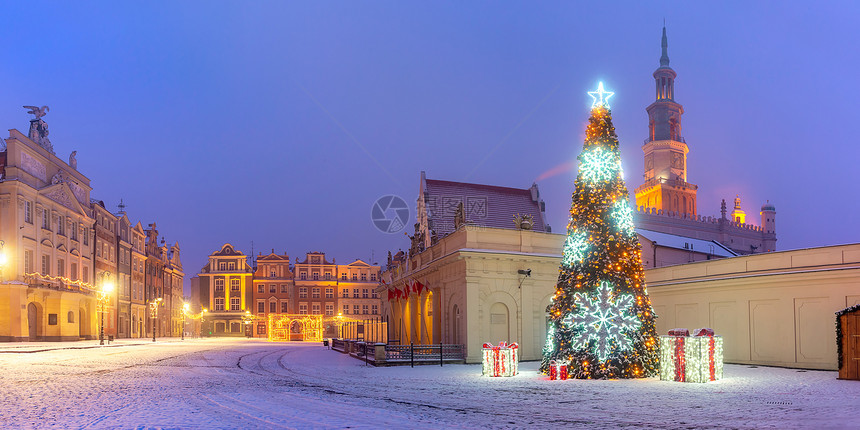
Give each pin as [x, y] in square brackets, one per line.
[303, 276]
[273, 288]
[219, 285]
[329, 293]
[329, 309]
[73, 273]
[234, 284]
[327, 276]
[222, 266]
[112, 254]
[273, 307]
[46, 219]
[316, 309]
[315, 293]
[356, 310]
[61, 267]
[28, 261]
[28, 212]
[364, 276]
[355, 293]
[86, 236]
[373, 276]
[234, 303]
[316, 276]
[74, 231]
[85, 275]
[373, 295]
[346, 292]
[219, 304]
[364, 293]
[303, 308]
[364, 309]
[354, 276]
[284, 305]
[261, 307]
[261, 288]
[261, 329]
[61, 226]
[46, 264]
[273, 274]
[231, 265]
[343, 276]
[284, 289]
[374, 309]
[346, 309]
[303, 292]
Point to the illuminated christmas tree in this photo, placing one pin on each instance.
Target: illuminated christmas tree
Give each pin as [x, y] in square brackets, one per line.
[601, 319]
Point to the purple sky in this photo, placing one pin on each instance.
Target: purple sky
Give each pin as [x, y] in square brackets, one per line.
[281, 123]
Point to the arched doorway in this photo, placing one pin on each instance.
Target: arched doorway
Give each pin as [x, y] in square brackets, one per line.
[499, 325]
[33, 321]
[296, 330]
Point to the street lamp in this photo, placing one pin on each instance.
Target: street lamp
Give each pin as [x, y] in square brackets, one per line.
[104, 296]
[247, 320]
[184, 312]
[153, 313]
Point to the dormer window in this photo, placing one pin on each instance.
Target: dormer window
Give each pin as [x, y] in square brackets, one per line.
[222, 266]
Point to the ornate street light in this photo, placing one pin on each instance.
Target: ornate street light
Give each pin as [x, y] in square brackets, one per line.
[153, 313]
[104, 296]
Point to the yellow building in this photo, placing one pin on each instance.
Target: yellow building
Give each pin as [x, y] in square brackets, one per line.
[224, 288]
[357, 295]
[46, 285]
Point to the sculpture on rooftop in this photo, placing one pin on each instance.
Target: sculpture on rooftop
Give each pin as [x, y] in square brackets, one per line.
[39, 128]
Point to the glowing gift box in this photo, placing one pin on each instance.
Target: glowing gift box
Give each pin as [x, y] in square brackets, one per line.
[697, 358]
[500, 360]
[558, 370]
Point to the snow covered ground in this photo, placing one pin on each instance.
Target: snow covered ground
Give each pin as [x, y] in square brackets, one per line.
[240, 383]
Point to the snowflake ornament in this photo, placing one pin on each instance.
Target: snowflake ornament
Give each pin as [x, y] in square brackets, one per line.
[575, 247]
[598, 164]
[623, 216]
[605, 319]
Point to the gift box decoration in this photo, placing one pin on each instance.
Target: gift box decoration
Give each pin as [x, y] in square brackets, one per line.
[679, 332]
[558, 370]
[500, 360]
[691, 358]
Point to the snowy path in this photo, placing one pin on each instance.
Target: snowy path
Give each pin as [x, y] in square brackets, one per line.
[237, 383]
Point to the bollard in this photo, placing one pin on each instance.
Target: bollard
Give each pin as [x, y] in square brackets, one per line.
[441, 363]
[412, 354]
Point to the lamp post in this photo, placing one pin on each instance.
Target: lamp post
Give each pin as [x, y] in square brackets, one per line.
[104, 296]
[184, 313]
[247, 320]
[153, 313]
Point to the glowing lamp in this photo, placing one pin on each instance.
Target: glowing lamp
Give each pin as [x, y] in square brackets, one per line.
[3, 259]
[107, 287]
[500, 360]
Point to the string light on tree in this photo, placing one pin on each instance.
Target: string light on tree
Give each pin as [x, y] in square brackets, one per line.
[601, 319]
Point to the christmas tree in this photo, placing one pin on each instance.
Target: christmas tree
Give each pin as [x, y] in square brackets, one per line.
[601, 319]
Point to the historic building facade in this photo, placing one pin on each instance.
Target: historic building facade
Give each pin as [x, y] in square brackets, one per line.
[47, 290]
[105, 240]
[316, 285]
[273, 290]
[356, 290]
[123, 278]
[138, 282]
[666, 202]
[224, 289]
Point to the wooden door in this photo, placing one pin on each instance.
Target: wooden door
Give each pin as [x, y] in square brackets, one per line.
[850, 346]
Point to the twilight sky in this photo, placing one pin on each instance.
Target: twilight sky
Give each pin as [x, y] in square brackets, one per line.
[282, 122]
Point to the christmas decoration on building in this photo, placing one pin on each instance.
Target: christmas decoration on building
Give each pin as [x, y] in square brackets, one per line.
[500, 360]
[696, 358]
[601, 319]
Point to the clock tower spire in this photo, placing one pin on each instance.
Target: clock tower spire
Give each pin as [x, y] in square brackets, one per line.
[666, 187]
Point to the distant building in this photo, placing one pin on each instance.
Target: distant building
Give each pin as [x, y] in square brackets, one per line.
[106, 262]
[316, 285]
[224, 288]
[139, 311]
[667, 202]
[123, 275]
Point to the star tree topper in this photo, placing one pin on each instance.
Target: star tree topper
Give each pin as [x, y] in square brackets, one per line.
[601, 97]
[604, 319]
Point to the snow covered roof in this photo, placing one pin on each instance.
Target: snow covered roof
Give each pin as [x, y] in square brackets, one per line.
[687, 243]
[484, 205]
